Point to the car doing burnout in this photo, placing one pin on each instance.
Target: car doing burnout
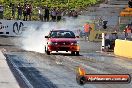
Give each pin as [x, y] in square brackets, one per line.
[62, 40]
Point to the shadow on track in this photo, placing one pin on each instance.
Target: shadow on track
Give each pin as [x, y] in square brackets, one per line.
[65, 54]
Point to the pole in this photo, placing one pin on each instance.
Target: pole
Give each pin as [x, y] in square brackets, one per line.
[119, 23]
[103, 42]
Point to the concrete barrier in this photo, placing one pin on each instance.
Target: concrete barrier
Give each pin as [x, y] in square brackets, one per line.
[123, 48]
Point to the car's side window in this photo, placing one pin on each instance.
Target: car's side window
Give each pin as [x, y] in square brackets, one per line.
[67, 35]
[72, 35]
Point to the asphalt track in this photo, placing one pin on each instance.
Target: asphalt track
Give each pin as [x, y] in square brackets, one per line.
[59, 69]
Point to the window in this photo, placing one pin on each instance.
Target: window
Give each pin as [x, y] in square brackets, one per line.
[62, 34]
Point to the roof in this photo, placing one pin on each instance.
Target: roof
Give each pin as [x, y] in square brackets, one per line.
[60, 30]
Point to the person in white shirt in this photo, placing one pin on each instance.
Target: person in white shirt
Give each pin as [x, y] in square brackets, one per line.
[40, 11]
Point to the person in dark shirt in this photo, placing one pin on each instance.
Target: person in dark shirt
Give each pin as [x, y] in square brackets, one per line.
[24, 12]
[75, 14]
[46, 15]
[59, 13]
[19, 11]
[13, 11]
[28, 12]
[130, 3]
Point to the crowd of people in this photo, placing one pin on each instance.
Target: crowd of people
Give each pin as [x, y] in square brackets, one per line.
[25, 12]
[46, 13]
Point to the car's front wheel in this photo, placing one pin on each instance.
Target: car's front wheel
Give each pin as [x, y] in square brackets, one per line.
[47, 51]
[77, 53]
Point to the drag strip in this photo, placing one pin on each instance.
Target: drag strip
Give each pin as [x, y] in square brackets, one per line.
[59, 70]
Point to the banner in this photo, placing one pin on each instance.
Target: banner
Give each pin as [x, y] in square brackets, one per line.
[16, 27]
[96, 36]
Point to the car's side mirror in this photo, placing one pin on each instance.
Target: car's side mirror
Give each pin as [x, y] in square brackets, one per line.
[46, 36]
[77, 36]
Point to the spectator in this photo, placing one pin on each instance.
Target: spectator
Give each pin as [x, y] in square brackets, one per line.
[114, 36]
[40, 13]
[1, 11]
[28, 12]
[75, 14]
[46, 15]
[58, 15]
[24, 12]
[87, 30]
[100, 23]
[107, 40]
[19, 11]
[70, 13]
[53, 14]
[13, 11]
[127, 30]
[130, 3]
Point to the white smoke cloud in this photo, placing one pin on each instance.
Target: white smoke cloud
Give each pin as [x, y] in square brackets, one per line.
[34, 38]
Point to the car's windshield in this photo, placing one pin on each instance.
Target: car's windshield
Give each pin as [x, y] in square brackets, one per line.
[62, 34]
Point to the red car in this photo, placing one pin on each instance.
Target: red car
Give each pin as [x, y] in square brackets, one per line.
[62, 40]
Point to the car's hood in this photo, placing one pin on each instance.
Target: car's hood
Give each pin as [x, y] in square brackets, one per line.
[62, 40]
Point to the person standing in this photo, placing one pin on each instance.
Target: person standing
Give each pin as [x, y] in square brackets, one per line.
[58, 15]
[46, 15]
[13, 11]
[53, 14]
[75, 14]
[19, 8]
[127, 30]
[25, 12]
[107, 41]
[28, 12]
[1, 11]
[87, 30]
[40, 11]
